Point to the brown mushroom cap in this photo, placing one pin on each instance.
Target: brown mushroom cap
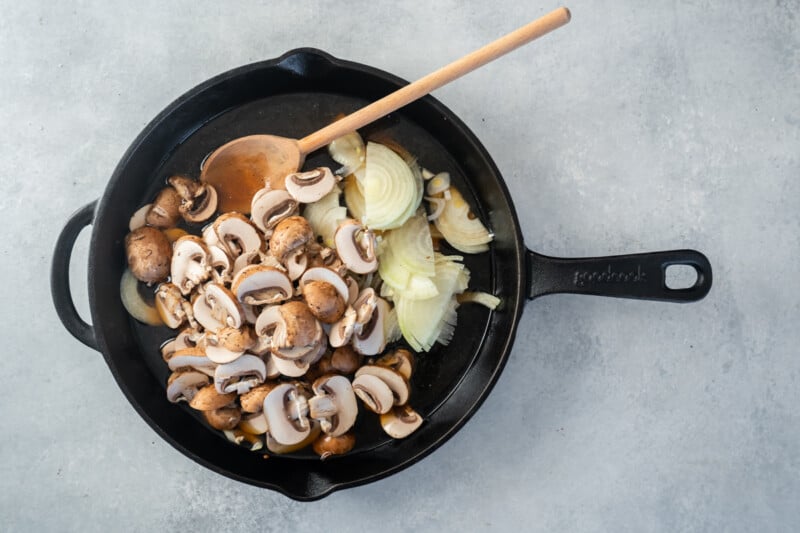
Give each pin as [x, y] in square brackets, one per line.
[346, 360]
[223, 418]
[299, 327]
[164, 212]
[208, 399]
[252, 401]
[149, 254]
[327, 445]
[290, 234]
[324, 301]
[400, 360]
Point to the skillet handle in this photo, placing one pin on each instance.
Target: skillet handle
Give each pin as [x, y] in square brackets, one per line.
[59, 276]
[640, 276]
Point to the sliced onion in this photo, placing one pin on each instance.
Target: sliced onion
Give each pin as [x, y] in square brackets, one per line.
[412, 246]
[460, 229]
[403, 281]
[423, 322]
[354, 198]
[391, 193]
[138, 219]
[483, 298]
[348, 150]
[438, 184]
[325, 214]
[436, 205]
[134, 303]
[391, 327]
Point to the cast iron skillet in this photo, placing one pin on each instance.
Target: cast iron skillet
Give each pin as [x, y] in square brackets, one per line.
[291, 96]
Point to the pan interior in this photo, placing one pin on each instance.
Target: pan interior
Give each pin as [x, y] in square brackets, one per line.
[449, 382]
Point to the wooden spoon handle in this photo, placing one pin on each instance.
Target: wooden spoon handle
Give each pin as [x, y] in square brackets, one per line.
[553, 20]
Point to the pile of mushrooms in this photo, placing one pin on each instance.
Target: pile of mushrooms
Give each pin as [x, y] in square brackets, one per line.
[279, 335]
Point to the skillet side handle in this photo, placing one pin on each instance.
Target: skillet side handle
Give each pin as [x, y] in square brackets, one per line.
[59, 276]
[639, 276]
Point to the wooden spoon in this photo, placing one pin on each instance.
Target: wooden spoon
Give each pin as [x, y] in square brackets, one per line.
[244, 165]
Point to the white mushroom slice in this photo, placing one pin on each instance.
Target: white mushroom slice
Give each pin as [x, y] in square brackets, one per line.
[365, 306]
[286, 409]
[396, 382]
[245, 260]
[138, 219]
[217, 308]
[356, 247]
[270, 206]
[266, 323]
[376, 395]
[261, 285]
[310, 186]
[191, 263]
[334, 404]
[328, 275]
[228, 344]
[241, 375]
[221, 266]
[202, 206]
[342, 331]
[302, 357]
[370, 339]
[236, 234]
[290, 368]
[400, 422]
[296, 264]
[186, 338]
[182, 386]
[352, 288]
[210, 237]
[250, 313]
[173, 309]
[194, 358]
[255, 424]
[277, 448]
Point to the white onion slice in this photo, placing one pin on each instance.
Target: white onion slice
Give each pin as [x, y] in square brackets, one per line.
[325, 214]
[460, 229]
[391, 192]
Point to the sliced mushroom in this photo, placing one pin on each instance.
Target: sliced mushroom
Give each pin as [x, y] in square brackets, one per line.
[252, 401]
[290, 237]
[370, 339]
[297, 328]
[254, 423]
[374, 392]
[172, 307]
[324, 301]
[342, 331]
[261, 285]
[224, 418]
[310, 186]
[198, 200]
[279, 449]
[396, 383]
[245, 260]
[265, 326]
[329, 276]
[221, 266]
[217, 308]
[333, 404]
[240, 375]
[208, 399]
[296, 263]
[149, 253]
[164, 211]
[286, 409]
[352, 289]
[356, 247]
[292, 368]
[327, 445]
[400, 421]
[190, 263]
[270, 207]
[400, 360]
[228, 344]
[194, 358]
[365, 305]
[237, 235]
[183, 385]
[329, 259]
[186, 338]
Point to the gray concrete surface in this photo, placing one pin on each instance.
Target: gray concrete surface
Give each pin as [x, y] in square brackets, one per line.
[640, 126]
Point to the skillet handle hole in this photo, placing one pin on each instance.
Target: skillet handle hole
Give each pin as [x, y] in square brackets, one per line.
[680, 277]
